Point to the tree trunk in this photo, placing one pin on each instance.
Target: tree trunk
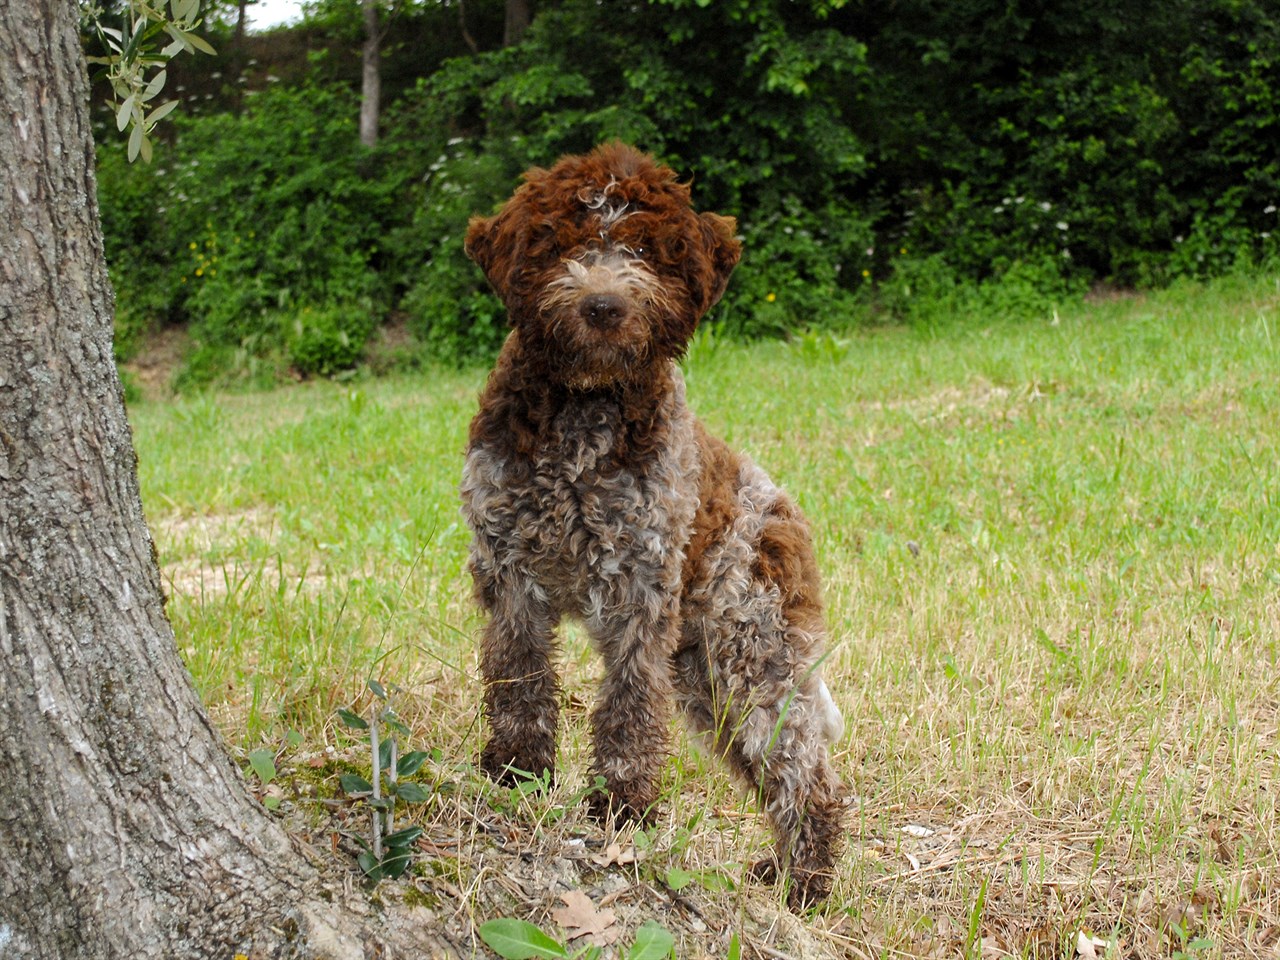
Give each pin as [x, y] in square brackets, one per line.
[125, 830]
[371, 75]
[516, 22]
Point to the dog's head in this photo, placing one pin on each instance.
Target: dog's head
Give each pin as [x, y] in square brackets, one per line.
[603, 265]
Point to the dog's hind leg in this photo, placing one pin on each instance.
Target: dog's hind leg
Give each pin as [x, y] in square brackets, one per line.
[747, 678]
[778, 751]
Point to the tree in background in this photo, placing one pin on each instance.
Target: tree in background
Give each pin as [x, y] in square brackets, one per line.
[371, 70]
[519, 15]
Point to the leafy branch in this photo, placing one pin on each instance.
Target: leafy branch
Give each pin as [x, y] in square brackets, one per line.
[134, 67]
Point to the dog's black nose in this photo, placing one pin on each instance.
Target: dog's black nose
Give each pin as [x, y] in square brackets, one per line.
[603, 310]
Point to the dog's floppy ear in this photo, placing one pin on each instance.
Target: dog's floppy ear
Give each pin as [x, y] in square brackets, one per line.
[496, 245]
[723, 250]
[479, 242]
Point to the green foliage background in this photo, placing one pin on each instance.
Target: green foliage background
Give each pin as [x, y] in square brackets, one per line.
[915, 161]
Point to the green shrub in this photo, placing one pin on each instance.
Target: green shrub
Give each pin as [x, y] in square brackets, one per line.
[919, 162]
[327, 340]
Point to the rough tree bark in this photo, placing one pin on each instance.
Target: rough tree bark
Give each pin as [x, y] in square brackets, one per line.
[371, 74]
[125, 830]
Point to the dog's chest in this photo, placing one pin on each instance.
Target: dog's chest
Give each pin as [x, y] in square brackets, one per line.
[587, 507]
[595, 508]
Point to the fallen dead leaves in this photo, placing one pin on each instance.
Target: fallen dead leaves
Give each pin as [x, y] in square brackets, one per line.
[579, 917]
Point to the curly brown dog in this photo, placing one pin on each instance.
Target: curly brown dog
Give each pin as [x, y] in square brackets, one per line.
[593, 492]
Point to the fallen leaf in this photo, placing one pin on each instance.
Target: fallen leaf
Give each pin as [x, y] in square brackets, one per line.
[615, 853]
[1089, 946]
[580, 918]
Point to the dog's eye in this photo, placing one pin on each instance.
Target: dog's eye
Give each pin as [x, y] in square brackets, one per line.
[641, 252]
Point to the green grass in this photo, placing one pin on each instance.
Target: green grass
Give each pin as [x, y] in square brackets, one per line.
[1052, 554]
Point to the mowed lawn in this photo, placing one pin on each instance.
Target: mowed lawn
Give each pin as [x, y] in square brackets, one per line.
[1052, 556]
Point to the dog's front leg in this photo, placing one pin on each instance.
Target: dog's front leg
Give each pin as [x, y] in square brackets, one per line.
[630, 721]
[521, 697]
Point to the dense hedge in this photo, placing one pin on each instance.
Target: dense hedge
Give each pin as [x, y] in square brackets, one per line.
[914, 161]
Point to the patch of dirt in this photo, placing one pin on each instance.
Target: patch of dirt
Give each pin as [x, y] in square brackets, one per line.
[157, 361]
[1111, 293]
[203, 555]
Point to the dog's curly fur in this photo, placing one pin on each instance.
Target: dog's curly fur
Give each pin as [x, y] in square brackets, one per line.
[593, 492]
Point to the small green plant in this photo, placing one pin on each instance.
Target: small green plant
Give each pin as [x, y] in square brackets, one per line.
[388, 852]
[263, 764]
[520, 939]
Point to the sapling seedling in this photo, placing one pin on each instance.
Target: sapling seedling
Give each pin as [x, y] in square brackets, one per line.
[389, 850]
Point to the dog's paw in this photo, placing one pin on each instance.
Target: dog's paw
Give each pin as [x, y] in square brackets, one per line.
[808, 888]
[765, 871]
[504, 766]
[805, 888]
[611, 808]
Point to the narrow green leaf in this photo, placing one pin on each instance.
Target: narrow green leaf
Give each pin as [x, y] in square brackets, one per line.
[123, 114]
[293, 738]
[411, 792]
[154, 117]
[395, 863]
[201, 45]
[146, 145]
[394, 724]
[411, 762]
[519, 940]
[653, 942]
[735, 949]
[377, 689]
[355, 721]
[354, 783]
[131, 48]
[179, 39]
[263, 762]
[384, 754]
[135, 142]
[369, 864]
[155, 86]
[402, 838]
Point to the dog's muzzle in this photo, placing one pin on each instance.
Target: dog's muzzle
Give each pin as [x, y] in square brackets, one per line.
[603, 311]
